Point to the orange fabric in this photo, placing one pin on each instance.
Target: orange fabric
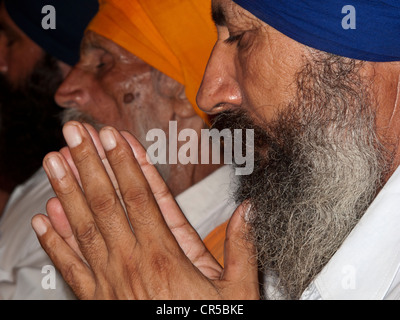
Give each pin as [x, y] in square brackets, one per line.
[215, 242]
[174, 36]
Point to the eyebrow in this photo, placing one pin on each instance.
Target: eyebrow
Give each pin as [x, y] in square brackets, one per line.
[89, 45]
[218, 15]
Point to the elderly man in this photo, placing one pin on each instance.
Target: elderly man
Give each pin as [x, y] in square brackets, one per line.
[319, 85]
[135, 74]
[34, 60]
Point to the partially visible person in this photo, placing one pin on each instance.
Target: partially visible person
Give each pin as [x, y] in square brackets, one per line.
[28, 79]
[33, 63]
[320, 213]
[140, 69]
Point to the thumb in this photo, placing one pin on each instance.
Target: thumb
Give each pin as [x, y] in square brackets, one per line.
[240, 255]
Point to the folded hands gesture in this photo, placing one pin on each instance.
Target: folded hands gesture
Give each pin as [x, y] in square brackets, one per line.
[115, 232]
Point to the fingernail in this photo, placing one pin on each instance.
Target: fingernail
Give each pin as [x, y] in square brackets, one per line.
[72, 135]
[39, 226]
[55, 167]
[247, 213]
[107, 138]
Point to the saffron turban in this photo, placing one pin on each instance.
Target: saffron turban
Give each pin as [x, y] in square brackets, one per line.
[359, 29]
[71, 19]
[174, 36]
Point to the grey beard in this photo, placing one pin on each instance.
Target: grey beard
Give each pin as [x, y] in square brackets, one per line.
[318, 167]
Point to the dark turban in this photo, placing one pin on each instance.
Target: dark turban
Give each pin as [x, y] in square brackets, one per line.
[360, 29]
[71, 20]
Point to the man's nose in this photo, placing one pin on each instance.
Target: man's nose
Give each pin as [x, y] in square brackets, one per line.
[3, 53]
[73, 92]
[219, 90]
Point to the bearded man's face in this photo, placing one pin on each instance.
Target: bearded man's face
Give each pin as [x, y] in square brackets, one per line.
[319, 158]
[318, 167]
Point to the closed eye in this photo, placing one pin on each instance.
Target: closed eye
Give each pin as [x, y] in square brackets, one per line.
[105, 61]
[234, 38]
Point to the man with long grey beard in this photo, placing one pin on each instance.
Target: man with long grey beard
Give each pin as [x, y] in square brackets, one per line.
[315, 173]
[321, 207]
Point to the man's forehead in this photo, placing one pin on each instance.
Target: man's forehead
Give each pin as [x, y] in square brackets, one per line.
[92, 40]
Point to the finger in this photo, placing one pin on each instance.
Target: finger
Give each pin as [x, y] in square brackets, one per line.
[104, 204]
[75, 207]
[100, 150]
[95, 138]
[60, 223]
[240, 255]
[185, 235]
[67, 156]
[166, 202]
[142, 209]
[74, 271]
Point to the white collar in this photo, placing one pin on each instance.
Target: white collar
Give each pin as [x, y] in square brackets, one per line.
[366, 264]
[209, 203]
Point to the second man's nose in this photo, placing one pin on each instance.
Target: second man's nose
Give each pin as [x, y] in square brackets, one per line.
[72, 92]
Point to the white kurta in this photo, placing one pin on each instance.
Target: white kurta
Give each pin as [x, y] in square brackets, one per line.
[367, 264]
[22, 259]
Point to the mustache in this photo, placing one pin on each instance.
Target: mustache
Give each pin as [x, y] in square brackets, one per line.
[267, 135]
[240, 119]
[77, 115]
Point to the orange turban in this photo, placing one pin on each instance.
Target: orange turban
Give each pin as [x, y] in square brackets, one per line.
[174, 36]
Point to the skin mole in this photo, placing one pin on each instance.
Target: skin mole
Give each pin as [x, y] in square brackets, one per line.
[130, 97]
